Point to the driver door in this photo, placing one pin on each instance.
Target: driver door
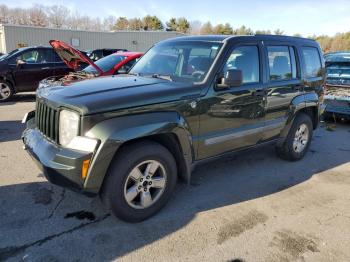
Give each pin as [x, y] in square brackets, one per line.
[233, 117]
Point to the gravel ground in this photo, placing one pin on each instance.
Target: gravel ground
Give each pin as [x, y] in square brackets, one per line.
[251, 206]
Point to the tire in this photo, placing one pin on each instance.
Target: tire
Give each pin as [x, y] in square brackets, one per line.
[6, 91]
[120, 183]
[292, 150]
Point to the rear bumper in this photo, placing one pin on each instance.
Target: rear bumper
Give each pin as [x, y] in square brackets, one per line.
[60, 166]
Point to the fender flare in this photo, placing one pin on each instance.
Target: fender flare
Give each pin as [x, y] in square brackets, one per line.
[114, 132]
[299, 103]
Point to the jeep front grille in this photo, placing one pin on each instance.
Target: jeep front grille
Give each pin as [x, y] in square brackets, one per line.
[46, 119]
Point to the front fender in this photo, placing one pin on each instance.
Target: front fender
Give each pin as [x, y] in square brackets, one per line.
[114, 132]
[299, 103]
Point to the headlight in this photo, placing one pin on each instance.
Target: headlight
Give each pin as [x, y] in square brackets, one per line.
[68, 126]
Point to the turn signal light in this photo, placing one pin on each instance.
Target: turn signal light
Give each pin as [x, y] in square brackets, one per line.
[85, 168]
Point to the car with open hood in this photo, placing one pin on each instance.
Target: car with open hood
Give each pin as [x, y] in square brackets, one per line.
[129, 137]
[337, 93]
[84, 68]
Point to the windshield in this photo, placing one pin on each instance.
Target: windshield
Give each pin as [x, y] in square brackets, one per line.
[107, 63]
[187, 61]
[9, 54]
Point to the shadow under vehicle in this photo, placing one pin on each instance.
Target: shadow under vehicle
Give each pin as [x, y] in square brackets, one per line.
[128, 138]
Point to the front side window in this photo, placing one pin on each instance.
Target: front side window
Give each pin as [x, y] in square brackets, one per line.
[313, 67]
[30, 57]
[246, 59]
[281, 63]
[187, 61]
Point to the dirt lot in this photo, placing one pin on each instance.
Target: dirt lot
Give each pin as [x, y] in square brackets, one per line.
[248, 207]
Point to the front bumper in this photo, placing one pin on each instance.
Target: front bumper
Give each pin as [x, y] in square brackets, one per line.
[337, 105]
[61, 166]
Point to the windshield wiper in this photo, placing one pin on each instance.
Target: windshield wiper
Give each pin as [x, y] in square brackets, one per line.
[165, 77]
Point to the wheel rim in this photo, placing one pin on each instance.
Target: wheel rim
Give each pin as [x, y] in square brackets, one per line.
[301, 138]
[145, 184]
[5, 91]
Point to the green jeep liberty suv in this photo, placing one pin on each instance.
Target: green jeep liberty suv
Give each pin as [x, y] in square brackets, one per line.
[128, 138]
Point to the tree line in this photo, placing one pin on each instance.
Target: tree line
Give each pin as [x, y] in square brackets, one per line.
[58, 16]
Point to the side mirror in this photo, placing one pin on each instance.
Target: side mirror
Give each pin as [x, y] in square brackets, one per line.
[232, 78]
[20, 62]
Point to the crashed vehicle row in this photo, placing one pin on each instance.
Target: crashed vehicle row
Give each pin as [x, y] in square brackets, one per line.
[24, 69]
[337, 97]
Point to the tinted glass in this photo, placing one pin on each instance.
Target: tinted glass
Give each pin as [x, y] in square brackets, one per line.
[32, 56]
[9, 54]
[50, 56]
[107, 63]
[279, 63]
[128, 65]
[246, 59]
[181, 61]
[312, 62]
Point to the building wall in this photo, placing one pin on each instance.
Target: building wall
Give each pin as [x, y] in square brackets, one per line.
[15, 36]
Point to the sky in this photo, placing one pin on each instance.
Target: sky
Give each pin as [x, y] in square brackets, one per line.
[307, 17]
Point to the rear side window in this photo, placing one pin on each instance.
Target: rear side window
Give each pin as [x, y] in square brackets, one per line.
[312, 62]
[246, 59]
[281, 62]
[50, 56]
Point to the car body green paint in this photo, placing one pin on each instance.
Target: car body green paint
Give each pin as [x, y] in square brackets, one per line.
[206, 122]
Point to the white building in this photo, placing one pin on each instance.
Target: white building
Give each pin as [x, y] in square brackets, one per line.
[15, 36]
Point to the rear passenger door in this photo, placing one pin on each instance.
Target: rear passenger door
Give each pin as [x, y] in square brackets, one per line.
[283, 84]
[54, 66]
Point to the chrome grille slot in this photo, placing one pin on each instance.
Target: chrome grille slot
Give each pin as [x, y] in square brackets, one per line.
[46, 119]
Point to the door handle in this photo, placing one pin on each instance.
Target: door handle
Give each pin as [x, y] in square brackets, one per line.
[45, 68]
[260, 92]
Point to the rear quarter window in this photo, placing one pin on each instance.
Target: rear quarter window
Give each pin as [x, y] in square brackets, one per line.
[312, 62]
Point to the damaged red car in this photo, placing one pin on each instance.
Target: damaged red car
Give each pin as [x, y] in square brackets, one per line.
[85, 68]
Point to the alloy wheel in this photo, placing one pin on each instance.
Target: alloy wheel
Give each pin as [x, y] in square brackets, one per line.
[5, 91]
[301, 138]
[145, 184]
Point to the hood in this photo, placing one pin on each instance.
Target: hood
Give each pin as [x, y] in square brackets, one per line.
[110, 93]
[71, 56]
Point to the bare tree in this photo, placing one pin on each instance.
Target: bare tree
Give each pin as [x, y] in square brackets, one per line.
[195, 27]
[4, 14]
[108, 23]
[19, 16]
[37, 16]
[57, 16]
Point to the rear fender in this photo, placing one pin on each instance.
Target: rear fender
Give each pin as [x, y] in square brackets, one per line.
[298, 104]
[116, 131]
